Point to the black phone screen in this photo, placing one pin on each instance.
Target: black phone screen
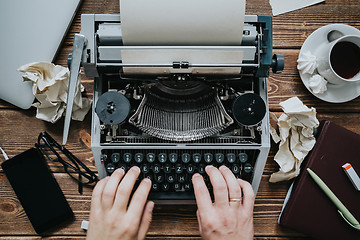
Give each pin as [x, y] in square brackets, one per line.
[37, 190]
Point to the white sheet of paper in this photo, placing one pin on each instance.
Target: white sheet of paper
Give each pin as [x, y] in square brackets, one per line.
[283, 6]
[185, 22]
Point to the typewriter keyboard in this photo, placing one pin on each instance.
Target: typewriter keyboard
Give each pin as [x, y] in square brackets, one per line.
[171, 170]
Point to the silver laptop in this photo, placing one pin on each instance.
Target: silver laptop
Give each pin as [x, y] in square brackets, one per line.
[31, 31]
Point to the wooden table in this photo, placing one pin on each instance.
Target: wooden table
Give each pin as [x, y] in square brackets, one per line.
[19, 130]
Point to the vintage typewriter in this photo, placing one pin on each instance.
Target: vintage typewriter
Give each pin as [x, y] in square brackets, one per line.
[173, 122]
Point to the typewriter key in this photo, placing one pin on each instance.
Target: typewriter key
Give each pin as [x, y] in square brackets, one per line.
[243, 157]
[155, 186]
[167, 168]
[201, 168]
[110, 168]
[115, 157]
[181, 178]
[179, 168]
[177, 186]
[235, 168]
[173, 157]
[196, 157]
[145, 168]
[187, 186]
[230, 157]
[185, 157]
[248, 168]
[156, 168]
[208, 157]
[139, 157]
[219, 157]
[162, 157]
[170, 178]
[150, 157]
[165, 186]
[127, 157]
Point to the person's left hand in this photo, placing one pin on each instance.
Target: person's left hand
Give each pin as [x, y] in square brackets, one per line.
[111, 217]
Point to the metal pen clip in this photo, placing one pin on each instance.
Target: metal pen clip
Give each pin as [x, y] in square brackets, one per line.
[356, 226]
[4, 154]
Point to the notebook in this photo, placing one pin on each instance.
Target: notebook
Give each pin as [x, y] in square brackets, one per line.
[31, 31]
[307, 209]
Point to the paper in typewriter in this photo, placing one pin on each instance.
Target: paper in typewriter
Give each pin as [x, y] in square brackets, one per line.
[182, 23]
[185, 22]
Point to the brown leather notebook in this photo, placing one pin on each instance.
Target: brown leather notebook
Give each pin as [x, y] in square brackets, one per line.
[308, 210]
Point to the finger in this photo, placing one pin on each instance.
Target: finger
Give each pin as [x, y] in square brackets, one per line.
[248, 194]
[97, 192]
[202, 195]
[125, 188]
[199, 221]
[146, 220]
[109, 192]
[138, 201]
[232, 184]
[219, 186]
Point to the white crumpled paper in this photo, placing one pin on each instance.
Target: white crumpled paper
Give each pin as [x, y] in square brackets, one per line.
[50, 87]
[296, 126]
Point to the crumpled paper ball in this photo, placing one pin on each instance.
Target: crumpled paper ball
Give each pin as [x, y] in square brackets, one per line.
[296, 126]
[50, 87]
[317, 84]
[307, 63]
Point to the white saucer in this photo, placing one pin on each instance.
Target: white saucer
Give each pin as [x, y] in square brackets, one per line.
[334, 93]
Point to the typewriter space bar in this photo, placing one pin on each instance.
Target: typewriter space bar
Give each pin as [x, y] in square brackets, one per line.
[171, 196]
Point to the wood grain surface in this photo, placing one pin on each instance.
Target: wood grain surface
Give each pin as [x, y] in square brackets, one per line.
[19, 130]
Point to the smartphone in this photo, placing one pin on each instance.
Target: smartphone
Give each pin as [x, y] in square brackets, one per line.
[37, 190]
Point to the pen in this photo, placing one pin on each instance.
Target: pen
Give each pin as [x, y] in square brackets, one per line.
[344, 212]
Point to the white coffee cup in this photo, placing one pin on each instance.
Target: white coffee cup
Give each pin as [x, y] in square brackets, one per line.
[332, 59]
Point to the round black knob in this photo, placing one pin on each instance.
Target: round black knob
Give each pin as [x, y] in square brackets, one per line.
[278, 62]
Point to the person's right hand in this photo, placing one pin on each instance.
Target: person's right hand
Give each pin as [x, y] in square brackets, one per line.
[231, 214]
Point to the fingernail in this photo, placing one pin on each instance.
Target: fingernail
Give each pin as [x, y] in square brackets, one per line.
[196, 175]
[120, 170]
[151, 206]
[209, 166]
[136, 168]
[147, 180]
[223, 167]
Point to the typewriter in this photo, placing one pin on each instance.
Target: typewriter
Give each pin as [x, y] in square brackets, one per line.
[169, 119]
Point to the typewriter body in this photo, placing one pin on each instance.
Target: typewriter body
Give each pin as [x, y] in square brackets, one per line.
[173, 118]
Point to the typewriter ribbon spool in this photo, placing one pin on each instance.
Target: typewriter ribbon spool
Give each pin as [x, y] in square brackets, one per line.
[249, 109]
[112, 108]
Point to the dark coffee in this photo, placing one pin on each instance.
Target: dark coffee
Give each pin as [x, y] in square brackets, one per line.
[345, 59]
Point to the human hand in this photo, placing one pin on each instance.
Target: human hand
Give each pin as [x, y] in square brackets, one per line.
[224, 219]
[111, 217]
